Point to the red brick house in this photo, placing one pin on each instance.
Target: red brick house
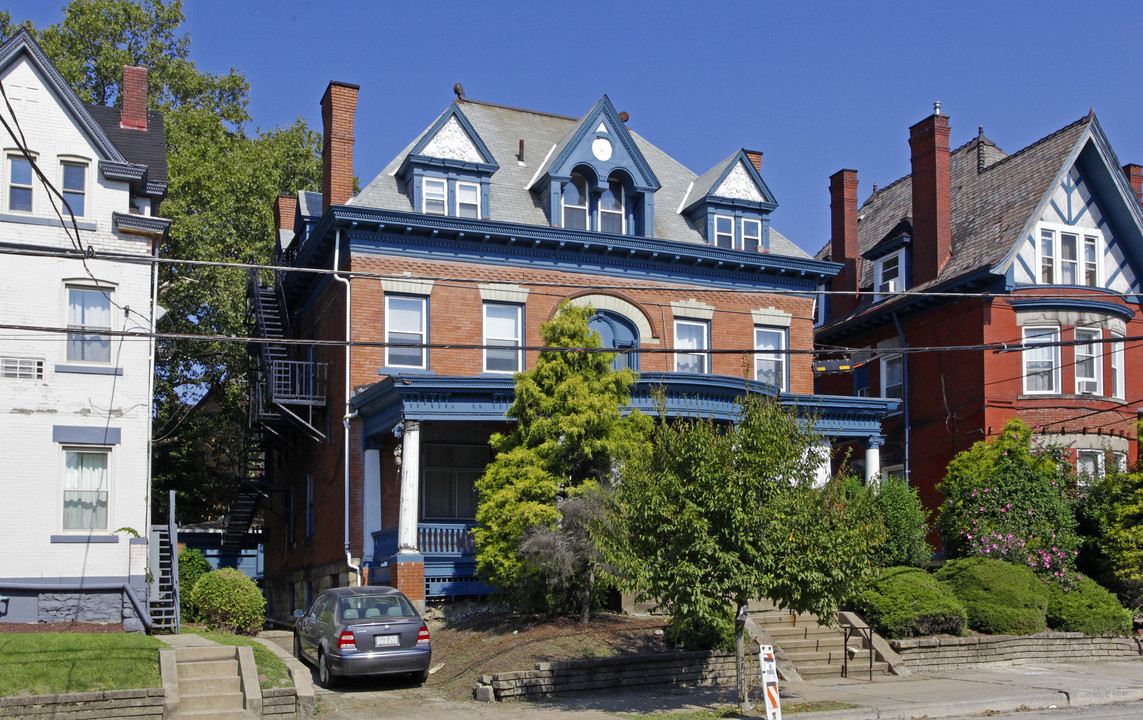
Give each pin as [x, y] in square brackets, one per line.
[440, 272]
[1024, 267]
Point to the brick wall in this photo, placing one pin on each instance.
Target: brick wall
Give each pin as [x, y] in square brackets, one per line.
[109, 705]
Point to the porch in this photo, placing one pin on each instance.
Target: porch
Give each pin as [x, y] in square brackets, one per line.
[449, 556]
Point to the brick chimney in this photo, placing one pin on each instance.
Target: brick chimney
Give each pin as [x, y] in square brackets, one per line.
[932, 226]
[843, 241]
[338, 106]
[1134, 175]
[133, 107]
[285, 209]
[755, 157]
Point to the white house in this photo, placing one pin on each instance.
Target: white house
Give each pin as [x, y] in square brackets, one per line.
[77, 306]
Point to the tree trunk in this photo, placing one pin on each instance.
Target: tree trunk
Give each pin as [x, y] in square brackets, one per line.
[740, 656]
[588, 591]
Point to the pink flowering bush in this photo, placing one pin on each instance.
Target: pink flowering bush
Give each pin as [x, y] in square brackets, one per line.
[1008, 500]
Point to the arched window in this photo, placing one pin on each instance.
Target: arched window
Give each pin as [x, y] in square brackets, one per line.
[575, 203]
[616, 331]
[612, 213]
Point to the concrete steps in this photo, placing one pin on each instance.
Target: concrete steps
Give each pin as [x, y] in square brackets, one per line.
[816, 651]
[210, 684]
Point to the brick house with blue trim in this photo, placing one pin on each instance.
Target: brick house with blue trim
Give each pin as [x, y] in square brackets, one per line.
[448, 261]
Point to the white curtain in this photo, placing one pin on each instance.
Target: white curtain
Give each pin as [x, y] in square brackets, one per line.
[85, 491]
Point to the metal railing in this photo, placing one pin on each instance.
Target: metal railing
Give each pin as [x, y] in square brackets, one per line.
[298, 382]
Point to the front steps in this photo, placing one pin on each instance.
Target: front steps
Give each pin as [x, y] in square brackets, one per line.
[816, 651]
[213, 683]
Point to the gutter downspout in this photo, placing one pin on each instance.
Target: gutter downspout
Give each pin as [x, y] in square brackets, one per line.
[349, 414]
[904, 391]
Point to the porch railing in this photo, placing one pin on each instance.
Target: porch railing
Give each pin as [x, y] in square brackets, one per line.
[434, 539]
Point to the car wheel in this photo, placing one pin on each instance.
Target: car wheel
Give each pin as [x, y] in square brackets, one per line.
[325, 678]
[298, 647]
[421, 677]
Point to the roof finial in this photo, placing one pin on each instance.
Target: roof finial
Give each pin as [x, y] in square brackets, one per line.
[459, 90]
[980, 131]
[937, 107]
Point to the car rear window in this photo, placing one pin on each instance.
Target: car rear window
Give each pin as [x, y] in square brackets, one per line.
[366, 607]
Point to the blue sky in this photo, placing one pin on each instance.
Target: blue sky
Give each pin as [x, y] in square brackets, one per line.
[816, 86]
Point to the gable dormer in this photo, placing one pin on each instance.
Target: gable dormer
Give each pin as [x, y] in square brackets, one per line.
[731, 204]
[891, 258]
[449, 170]
[597, 179]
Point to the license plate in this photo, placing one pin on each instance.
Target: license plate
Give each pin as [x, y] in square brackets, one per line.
[386, 640]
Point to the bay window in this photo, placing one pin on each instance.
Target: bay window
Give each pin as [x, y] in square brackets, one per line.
[1041, 360]
[1089, 361]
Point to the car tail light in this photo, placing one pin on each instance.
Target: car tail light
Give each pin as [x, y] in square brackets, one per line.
[346, 641]
[423, 636]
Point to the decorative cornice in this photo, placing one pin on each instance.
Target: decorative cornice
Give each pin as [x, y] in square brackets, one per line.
[1080, 304]
[141, 224]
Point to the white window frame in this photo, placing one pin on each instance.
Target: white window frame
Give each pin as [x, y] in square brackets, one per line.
[1095, 458]
[585, 196]
[777, 356]
[11, 184]
[107, 490]
[756, 236]
[21, 368]
[441, 196]
[622, 212]
[700, 353]
[894, 284]
[87, 333]
[422, 332]
[506, 342]
[1088, 348]
[718, 234]
[475, 187]
[1052, 335]
[66, 162]
[1118, 379]
[886, 362]
[1050, 255]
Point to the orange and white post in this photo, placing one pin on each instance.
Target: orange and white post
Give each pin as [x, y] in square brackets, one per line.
[770, 682]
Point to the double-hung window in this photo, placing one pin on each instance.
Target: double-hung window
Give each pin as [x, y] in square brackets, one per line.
[888, 278]
[406, 331]
[89, 311]
[770, 356]
[468, 200]
[751, 235]
[434, 196]
[612, 216]
[693, 338]
[574, 198]
[86, 489]
[1041, 360]
[75, 187]
[724, 231]
[451, 472]
[1089, 361]
[1069, 256]
[503, 338]
[893, 376]
[1089, 465]
[1118, 388]
[19, 184]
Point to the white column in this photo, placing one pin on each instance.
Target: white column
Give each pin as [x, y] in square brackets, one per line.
[371, 518]
[410, 487]
[873, 460]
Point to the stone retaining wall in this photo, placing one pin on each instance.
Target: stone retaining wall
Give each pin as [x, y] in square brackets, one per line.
[935, 654]
[280, 703]
[632, 671]
[108, 705]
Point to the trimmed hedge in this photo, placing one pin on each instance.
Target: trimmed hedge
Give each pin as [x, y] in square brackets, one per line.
[905, 602]
[230, 601]
[1088, 608]
[1000, 598]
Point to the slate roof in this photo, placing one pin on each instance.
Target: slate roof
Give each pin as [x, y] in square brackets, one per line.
[502, 128]
[993, 195]
[140, 147]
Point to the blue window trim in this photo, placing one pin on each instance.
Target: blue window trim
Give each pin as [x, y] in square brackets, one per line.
[88, 539]
[89, 369]
[84, 435]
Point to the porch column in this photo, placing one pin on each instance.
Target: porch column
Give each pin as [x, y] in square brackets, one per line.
[371, 505]
[410, 486]
[873, 459]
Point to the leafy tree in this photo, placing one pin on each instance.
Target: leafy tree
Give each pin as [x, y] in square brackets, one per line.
[223, 180]
[904, 515]
[1111, 523]
[1007, 499]
[569, 442]
[721, 514]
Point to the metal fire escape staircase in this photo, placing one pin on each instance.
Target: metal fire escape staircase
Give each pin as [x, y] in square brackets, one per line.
[286, 392]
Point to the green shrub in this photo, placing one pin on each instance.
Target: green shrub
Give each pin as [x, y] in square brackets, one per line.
[230, 601]
[192, 566]
[702, 633]
[904, 602]
[1000, 598]
[1088, 608]
[901, 510]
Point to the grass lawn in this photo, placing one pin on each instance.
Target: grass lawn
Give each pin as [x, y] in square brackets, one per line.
[272, 671]
[50, 663]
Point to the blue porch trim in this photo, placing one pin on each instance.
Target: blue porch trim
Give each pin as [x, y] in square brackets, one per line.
[449, 555]
[486, 399]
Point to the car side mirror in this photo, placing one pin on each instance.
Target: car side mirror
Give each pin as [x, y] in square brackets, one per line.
[299, 613]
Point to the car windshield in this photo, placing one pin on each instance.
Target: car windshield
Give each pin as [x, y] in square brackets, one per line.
[366, 607]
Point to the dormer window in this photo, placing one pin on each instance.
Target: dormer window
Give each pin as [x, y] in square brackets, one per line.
[723, 231]
[1069, 256]
[467, 200]
[575, 202]
[751, 234]
[448, 172]
[434, 196]
[611, 212]
[888, 274]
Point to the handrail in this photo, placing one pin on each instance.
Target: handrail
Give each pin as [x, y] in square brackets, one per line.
[140, 610]
[173, 541]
